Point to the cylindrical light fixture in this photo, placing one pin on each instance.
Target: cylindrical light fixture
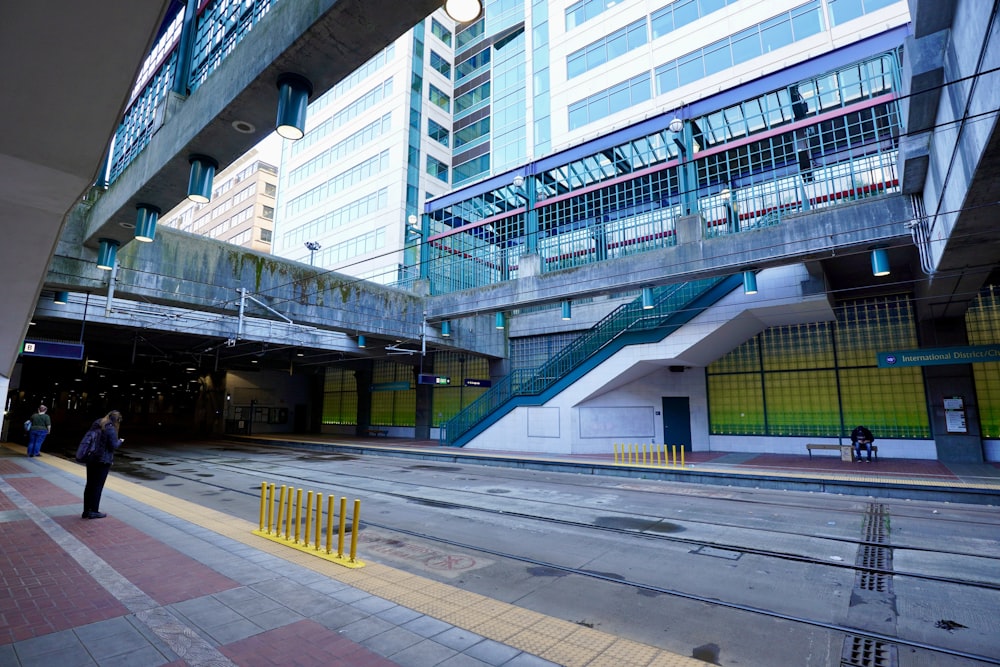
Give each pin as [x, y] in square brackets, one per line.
[361, 341]
[501, 321]
[61, 298]
[145, 222]
[749, 282]
[880, 262]
[647, 298]
[463, 11]
[445, 328]
[567, 310]
[200, 181]
[107, 251]
[294, 91]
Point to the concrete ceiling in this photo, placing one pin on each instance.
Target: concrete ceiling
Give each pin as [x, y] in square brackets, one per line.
[67, 70]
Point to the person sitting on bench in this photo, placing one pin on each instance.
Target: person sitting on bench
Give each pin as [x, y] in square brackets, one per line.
[861, 437]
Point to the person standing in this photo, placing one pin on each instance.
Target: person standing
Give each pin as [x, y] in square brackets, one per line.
[99, 464]
[41, 425]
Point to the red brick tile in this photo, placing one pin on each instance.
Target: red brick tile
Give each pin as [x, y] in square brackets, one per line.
[305, 644]
[43, 493]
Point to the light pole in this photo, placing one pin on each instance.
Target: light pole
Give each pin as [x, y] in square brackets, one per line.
[313, 246]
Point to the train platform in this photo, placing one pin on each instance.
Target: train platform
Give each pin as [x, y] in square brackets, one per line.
[823, 471]
[164, 581]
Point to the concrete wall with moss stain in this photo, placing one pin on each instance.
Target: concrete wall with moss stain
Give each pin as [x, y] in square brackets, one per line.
[192, 271]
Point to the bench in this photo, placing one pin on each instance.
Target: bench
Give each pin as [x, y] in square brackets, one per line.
[846, 451]
[378, 431]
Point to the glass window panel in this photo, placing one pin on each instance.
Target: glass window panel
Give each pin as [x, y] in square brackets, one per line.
[637, 34]
[776, 33]
[576, 64]
[717, 58]
[662, 22]
[617, 44]
[597, 107]
[739, 409]
[577, 115]
[842, 11]
[640, 89]
[746, 45]
[709, 6]
[685, 11]
[666, 79]
[802, 403]
[619, 98]
[806, 22]
[690, 69]
[596, 56]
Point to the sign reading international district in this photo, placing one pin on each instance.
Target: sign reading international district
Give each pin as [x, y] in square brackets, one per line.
[939, 356]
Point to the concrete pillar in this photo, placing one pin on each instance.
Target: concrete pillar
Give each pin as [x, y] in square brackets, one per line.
[953, 380]
[425, 403]
[363, 381]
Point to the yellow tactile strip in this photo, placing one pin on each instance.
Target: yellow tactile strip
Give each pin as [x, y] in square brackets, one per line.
[556, 640]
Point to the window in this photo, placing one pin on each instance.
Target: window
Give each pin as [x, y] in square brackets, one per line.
[270, 189]
[438, 133]
[612, 100]
[607, 48]
[439, 98]
[265, 235]
[472, 98]
[440, 32]
[267, 212]
[437, 169]
[440, 64]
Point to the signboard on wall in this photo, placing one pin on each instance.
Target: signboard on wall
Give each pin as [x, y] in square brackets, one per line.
[52, 349]
[939, 356]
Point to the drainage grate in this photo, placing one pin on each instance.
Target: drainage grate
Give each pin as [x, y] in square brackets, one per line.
[876, 523]
[875, 558]
[864, 652]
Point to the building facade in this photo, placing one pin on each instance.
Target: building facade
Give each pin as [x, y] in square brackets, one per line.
[241, 210]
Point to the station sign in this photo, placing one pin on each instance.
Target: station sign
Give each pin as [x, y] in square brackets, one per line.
[52, 349]
[426, 378]
[938, 356]
[472, 382]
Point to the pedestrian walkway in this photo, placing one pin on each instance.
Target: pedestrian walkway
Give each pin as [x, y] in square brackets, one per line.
[163, 581]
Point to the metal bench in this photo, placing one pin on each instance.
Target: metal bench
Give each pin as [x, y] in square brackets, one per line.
[378, 431]
[845, 450]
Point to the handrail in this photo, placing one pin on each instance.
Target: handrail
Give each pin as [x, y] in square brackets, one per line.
[631, 317]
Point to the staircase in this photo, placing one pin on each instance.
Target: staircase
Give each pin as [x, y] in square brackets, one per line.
[630, 324]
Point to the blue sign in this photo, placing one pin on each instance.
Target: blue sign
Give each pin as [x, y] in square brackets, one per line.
[425, 378]
[391, 386]
[53, 349]
[470, 382]
[939, 356]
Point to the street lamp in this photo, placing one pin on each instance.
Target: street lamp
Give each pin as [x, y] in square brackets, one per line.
[313, 246]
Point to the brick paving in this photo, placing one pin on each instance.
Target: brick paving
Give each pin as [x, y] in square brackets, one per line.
[304, 644]
[42, 589]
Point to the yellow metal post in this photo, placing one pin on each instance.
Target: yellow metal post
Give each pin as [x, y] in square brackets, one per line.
[682, 457]
[308, 517]
[319, 514]
[645, 454]
[354, 530]
[281, 508]
[288, 514]
[664, 449]
[270, 508]
[343, 526]
[298, 513]
[263, 494]
[615, 446]
[673, 455]
[329, 524]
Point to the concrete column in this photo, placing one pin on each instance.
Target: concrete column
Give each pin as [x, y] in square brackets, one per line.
[425, 403]
[363, 380]
[953, 380]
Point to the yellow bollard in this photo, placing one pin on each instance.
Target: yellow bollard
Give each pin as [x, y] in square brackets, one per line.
[263, 494]
[664, 449]
[615, 446]
[308, 517]
[298, 513]
[343, 527]
[270, 508]
[288, 513]
[673, 455]
[645, 454]
[319, 514]
[281, 508]
[354, 530]
[682, 457]
[329, 524]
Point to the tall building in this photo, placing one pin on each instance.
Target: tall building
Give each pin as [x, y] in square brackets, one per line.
[241, 210]
[376, 146]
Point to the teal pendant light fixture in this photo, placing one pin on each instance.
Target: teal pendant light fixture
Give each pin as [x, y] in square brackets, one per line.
[107, 252]
[501, 321]
[61, 298]
[567, 310]
[294, 91]
[880, 262]
[446, 329]
[749, 282]
[145, 222]
[647, 298]
[200, 180]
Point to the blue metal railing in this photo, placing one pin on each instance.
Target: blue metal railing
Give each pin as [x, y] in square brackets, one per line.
[608, 334]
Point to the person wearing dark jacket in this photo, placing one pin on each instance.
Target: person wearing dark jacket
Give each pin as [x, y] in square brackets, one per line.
[861, 437]
[99, 465]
